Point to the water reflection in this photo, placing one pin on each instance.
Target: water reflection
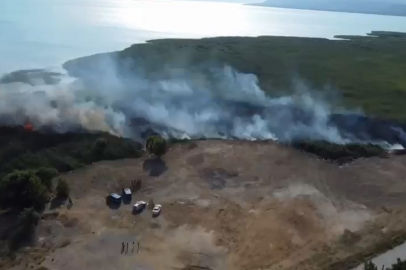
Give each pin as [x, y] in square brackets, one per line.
[45, 33]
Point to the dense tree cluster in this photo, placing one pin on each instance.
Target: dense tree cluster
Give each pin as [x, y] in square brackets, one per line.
[21, 149]
[30, 161]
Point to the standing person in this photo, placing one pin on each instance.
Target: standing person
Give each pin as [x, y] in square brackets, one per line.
[127, 248]
[138, 247]
[132, 251]
[122, 247]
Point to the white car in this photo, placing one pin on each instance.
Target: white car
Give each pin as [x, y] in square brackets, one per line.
[157, 209]
[139, 206]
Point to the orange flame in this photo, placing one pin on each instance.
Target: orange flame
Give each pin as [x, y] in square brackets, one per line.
[29, 127]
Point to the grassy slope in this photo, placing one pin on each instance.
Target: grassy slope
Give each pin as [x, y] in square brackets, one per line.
[368, 71]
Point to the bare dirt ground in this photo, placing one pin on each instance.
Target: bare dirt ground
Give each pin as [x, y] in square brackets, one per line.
[227, 205]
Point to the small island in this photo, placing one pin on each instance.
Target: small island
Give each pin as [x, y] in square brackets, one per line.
[363, 6]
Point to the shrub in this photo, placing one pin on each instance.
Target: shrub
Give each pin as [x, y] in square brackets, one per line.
[62, 188]
[99, 146]
[338, 152]
[23, 189]
[156, 145]
[46, 175]
[399, 265]
[370, 266]
[29, 218]
[23, 232]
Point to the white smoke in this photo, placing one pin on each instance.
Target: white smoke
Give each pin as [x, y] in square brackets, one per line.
[215, 103]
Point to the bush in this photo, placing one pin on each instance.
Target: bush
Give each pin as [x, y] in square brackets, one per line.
[62, 188]
[46, 175]
[99, 146]
[23, 189]
[370, 266]
[399, 265]
[29, 218]
[24, 231]
[338, 152]
[156, 145]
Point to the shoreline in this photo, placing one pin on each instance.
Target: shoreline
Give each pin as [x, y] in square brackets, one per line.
[328, 10]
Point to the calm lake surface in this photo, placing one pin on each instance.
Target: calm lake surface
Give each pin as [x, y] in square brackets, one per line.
[45, 33]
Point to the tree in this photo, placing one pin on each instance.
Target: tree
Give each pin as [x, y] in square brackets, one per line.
[23, 189]
[399, 265]
[46, 175]
[62, 188]
[99, 146]
[370, 266]
[156, 145]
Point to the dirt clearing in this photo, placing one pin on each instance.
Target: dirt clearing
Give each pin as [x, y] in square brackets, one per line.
[228, 205]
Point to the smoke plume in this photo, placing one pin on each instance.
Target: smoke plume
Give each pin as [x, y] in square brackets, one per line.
[217, 102]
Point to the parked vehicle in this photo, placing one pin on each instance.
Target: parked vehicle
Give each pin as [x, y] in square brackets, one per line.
[156, 210]
[127, 195]
[139, 206]
[114, 198]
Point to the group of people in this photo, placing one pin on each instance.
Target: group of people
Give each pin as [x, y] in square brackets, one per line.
[124, 247]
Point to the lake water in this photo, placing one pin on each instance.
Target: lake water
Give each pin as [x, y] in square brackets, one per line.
[45, 33]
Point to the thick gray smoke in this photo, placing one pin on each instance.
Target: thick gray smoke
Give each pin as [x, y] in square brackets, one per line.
[215, 103]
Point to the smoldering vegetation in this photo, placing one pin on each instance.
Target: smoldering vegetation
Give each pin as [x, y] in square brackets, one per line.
[133, 98]
[116, 96]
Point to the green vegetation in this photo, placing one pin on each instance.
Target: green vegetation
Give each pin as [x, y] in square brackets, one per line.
[99, 146]
[29, 150]
[62, 188]
[46, 175]
[340, 153]
[31, 160]
[29, 218]
[23, 189]
[23, 231]
[156, 145]
[399, 265]
[368, 71]
[370, 266]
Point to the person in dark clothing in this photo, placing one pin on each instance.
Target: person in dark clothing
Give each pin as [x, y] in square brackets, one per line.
[122, 247]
